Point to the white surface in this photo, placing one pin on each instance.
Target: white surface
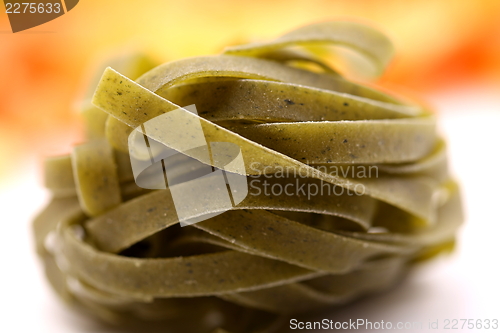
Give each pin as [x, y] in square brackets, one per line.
[464, 285]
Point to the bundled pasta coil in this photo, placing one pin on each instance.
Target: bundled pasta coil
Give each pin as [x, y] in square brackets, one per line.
[346, 187]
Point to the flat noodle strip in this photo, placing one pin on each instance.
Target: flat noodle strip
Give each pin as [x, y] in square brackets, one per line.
[130, 64]
[120, 228]
[194, 276]
[59, 177]
[177, 72]
[381, 141]
[433, 165]
[299, 297]
[58, 210]
[449, 217]
[96, 177]
[359, 37]
[117, 134]
[347, 186]
[268, 101]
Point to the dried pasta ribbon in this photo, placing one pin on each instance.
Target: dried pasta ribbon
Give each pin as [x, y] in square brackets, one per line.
[366, 41]
[118, 250]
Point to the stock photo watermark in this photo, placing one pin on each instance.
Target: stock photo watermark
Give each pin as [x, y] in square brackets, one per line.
[24, 15]
[295, 181]
[365, 324]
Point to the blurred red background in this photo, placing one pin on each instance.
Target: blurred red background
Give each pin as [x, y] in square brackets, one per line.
[440, 45]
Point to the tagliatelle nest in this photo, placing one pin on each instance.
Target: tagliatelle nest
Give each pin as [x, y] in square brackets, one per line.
[118, 250]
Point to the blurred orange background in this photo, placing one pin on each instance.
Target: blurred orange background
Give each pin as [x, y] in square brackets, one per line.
[440, 45]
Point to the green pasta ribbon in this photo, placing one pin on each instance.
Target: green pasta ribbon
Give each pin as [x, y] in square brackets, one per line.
[386, 202]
